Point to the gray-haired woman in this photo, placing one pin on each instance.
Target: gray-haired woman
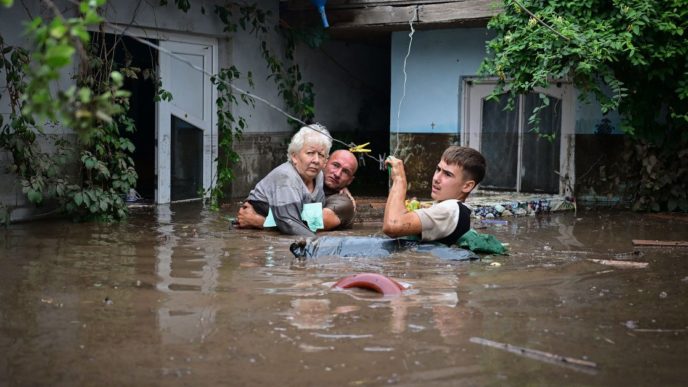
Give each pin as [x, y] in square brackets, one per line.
[299, 181]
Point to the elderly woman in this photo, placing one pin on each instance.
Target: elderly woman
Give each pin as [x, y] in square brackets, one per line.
[299, 181]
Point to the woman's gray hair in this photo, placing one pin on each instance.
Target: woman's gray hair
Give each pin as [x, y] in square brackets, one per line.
[314, 134]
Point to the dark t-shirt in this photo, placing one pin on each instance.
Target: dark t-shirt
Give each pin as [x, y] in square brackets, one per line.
[343, 207]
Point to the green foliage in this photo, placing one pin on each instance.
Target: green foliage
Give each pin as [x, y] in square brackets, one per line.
[630, 54]
[93, 108]
[38, 172]
[230, 128]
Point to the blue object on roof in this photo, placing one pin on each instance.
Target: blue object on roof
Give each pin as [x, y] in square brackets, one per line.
[320, 4]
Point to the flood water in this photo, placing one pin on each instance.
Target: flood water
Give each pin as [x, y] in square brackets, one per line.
[174, 297]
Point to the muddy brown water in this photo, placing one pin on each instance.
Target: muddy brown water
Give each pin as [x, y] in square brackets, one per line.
[173, 297]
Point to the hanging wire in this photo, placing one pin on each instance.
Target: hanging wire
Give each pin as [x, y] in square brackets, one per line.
[403, 94]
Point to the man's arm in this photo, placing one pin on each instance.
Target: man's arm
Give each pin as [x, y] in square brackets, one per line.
[247, 217]
[398, 221]
[339, 210]
[330, 219]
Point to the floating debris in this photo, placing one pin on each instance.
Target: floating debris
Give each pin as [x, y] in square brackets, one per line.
[341, 336]
[378, 349]
[621, 264]
[646, 242]
[570, 362]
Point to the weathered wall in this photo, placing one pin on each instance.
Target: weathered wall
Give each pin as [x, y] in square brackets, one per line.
[437, 61]
[259, 153]
[596, 157]
[421, 152]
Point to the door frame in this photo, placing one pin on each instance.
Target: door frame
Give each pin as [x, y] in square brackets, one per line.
[164, 111]
[475, 89]
[210, 139]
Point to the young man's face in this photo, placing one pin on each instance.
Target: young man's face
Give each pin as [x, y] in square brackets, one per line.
[448, 182]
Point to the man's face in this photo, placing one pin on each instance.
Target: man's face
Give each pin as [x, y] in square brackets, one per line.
[448, 182]
[340, 170]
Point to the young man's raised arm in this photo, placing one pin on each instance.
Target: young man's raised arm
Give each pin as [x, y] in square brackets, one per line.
[398, 221]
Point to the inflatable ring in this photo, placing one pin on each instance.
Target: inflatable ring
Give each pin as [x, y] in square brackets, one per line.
[371, 281]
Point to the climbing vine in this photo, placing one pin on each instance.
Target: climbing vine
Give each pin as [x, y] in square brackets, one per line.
[230, 128]
[89, 176]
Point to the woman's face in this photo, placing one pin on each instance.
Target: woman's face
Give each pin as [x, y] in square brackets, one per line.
[309, 161]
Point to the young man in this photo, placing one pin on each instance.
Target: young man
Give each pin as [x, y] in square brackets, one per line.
[458, 172]
[339, 207]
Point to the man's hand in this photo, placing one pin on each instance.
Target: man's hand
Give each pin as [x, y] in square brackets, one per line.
[247, 217]
[396, 169]
[346, 192]
[398, 221]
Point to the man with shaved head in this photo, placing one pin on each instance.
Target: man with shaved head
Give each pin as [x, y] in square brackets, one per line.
[339, 207]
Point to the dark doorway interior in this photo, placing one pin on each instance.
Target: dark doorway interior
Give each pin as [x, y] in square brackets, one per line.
[187, 160]
[142, 61]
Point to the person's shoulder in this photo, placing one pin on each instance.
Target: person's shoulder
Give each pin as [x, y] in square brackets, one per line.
[284, 169]
[448, 204]
[338, 199]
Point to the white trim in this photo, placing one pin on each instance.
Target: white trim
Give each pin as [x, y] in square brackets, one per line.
[206, 122]
[475, 89]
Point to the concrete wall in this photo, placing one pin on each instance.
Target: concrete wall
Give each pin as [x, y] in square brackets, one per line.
[437, 61]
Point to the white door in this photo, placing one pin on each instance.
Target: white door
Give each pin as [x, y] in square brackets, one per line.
[519, 159]
[186, 139]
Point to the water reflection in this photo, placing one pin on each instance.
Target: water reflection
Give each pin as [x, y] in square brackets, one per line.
[188, 311]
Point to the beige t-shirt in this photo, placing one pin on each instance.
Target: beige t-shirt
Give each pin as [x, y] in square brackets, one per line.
[439, 220]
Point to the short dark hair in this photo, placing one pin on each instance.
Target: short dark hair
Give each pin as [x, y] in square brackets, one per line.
[472, 161]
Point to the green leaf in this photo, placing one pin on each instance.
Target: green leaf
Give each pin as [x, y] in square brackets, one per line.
[6, 3]
[57, 29]
[59, 56]
[34, 196]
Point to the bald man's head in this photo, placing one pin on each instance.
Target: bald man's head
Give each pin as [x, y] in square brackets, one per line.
[340, 170]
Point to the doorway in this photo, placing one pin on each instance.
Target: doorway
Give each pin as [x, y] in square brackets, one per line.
[186, 141]
[140, 62]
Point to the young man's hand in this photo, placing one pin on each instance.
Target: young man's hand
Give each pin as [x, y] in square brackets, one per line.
[396, 168]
